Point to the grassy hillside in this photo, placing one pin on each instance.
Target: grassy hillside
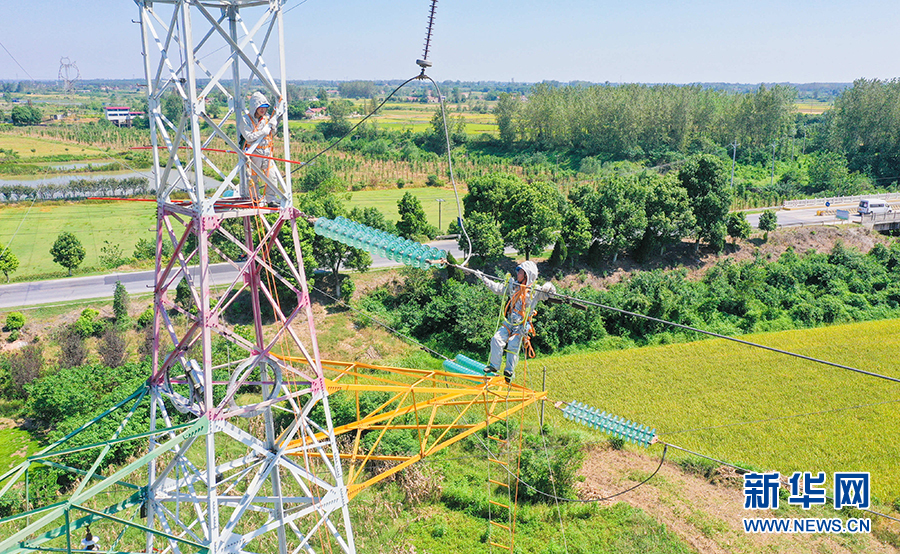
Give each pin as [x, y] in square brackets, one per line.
[15, 444]
[735, 403]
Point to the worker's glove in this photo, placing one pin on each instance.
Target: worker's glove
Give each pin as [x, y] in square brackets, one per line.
[548, 288]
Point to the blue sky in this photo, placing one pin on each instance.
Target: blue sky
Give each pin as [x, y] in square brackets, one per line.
[635, 41]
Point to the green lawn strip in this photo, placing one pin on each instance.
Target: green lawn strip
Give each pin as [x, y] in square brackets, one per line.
[122, 223]
[715, 383]
[386, 202]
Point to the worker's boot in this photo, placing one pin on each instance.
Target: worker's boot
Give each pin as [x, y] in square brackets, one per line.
[508, 375]
[490, 371]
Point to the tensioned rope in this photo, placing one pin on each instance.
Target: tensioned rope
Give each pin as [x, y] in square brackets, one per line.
[575, 300]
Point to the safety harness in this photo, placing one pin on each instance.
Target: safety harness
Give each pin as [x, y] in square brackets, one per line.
[265, 144]
[517, 303]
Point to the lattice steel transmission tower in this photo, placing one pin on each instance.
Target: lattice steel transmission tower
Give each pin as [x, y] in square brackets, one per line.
[230, 487]
[68, 74]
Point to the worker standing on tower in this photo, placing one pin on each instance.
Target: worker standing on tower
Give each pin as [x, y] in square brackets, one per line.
[258, 130]
[522, 296]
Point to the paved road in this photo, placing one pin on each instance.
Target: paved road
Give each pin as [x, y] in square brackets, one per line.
[138, 282]
[806, 216]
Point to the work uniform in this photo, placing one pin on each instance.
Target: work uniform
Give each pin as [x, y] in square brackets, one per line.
[517, 315]
[260, 133]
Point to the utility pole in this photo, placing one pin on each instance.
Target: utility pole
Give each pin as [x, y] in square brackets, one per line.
[772, 182]
[733, 146]
[440, 202]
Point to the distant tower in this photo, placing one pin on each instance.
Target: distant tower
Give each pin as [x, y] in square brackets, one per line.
[68, 74]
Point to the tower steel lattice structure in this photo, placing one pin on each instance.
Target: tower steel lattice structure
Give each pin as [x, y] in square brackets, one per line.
[228, 498]
[68, 74]
[215, 476]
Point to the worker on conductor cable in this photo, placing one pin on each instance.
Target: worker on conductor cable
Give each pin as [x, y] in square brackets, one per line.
[516, 315]
[258, 130]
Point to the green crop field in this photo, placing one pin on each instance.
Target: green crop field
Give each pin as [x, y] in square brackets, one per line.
[121, 223]
[735, 403]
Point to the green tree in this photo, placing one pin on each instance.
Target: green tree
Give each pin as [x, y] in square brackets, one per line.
[372, 217]
[111, 255]
[864, 125]
[575, 232]
[669, 214]
[705, 177]
[412, 218]
[67, 251]
[337, 124]
[24, 115]
[488, 193]
[507, 113]
[120, 303]
[531, 217]
[172, 108]
[768, 221]
[828, 172]
[297, 110]
[437, 140]
[14, 321]
[315, 175]
[484, 232]
[8, 262]
[559, 255]
[737, 227]
[322, 94]
[763, 116]
[622, 215]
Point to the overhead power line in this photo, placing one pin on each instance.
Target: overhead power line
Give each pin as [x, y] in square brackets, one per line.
[17, 62]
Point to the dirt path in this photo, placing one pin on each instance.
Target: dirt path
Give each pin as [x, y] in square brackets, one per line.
[708, 517]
